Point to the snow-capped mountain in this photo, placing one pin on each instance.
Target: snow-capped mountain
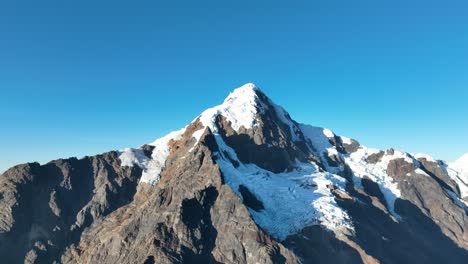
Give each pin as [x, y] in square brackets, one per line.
[242, 183]
[461, 165]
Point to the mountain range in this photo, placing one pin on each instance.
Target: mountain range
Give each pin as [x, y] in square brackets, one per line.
[242, 183]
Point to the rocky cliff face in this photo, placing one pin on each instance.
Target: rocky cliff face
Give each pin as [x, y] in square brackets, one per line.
[44, 209]
[242, 183]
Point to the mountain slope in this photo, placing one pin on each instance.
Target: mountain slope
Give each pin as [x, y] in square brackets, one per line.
[242, 183]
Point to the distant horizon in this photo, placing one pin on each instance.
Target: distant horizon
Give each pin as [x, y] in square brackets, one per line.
[83, 78]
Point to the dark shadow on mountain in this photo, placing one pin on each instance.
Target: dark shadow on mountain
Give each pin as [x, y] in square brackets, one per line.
[373, 189]
[271, 158]
[250, 200]
[315, 244]
[277, 156]
[440, 181]
[196, 215]
[413, 239]
[149, 260]
[48, 205]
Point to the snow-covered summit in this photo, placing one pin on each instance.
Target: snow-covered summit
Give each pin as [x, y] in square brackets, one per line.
[240, 108]
[460, 168]
[246, 91]
[461, 162]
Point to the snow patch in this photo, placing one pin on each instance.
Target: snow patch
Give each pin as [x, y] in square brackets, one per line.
[292, 200]
[321, 145]
[357, 161]
[317, 137]
[151, 173]
[346, 140]
[461, 164]
[197, 134]
[328, 133]
[458, 171]
[462, 161]
[130, 157]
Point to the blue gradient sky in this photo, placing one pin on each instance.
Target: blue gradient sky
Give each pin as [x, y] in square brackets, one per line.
[84, 77]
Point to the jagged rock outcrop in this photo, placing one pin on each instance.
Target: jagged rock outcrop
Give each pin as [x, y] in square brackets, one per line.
[242, 183]
[43, 209]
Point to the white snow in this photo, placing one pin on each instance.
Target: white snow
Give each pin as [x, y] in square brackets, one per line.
[458, 171]
[317, 137]
[130, 157]
[284, 117]
[332, 151]
[197, 134]
[346, 140]
[151, 172]
[320, 142]
[328, 133]
[239, 108]
[461, 163]
[376, 172]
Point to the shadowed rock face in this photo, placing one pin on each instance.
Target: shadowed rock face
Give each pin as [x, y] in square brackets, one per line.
[350, 148]
[374, 158]
[250, 200]
[412, 239]
[46, 208]
[318, 245]
[434, 170]
[431, 198]
[93, 210]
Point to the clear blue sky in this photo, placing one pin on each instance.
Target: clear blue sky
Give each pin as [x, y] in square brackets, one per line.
[84, 77]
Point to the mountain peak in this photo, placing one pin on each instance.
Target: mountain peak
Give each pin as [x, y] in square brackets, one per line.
[463, 159]
[247, 87]
[247, 93]
[461, 163]
[240, 107]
